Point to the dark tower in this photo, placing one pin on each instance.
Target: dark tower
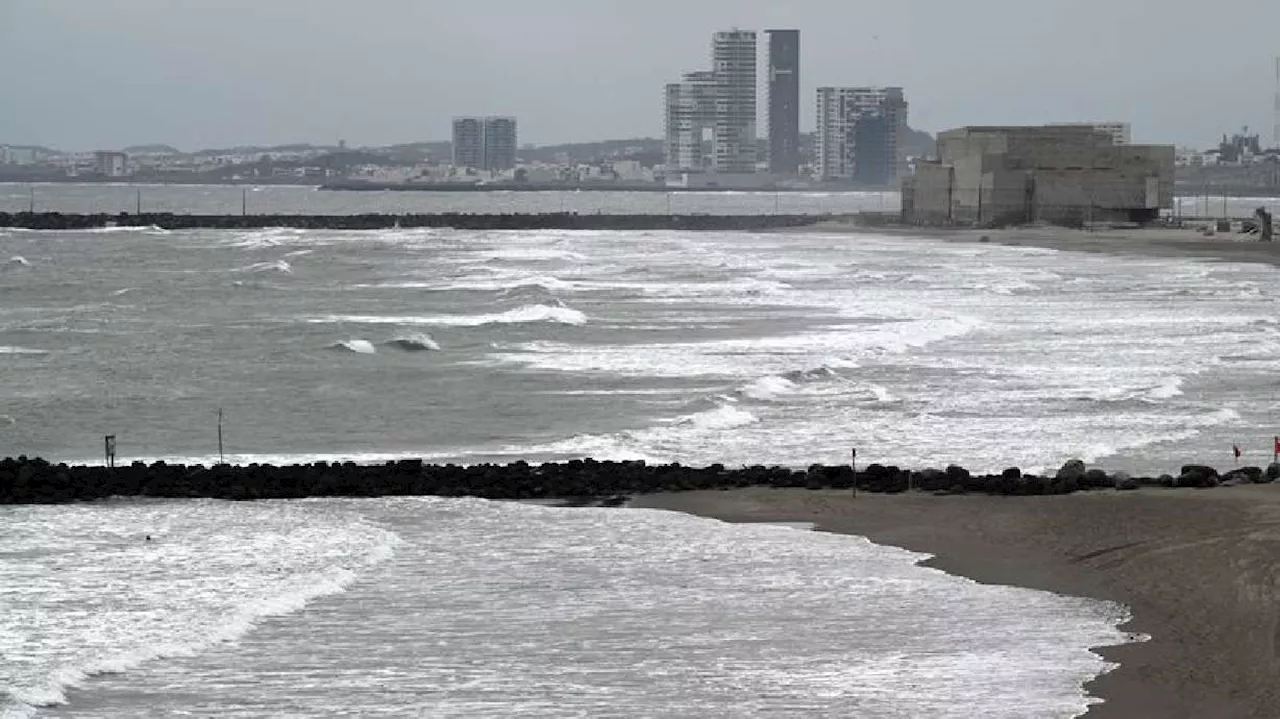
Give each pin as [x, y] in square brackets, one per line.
[784, 101]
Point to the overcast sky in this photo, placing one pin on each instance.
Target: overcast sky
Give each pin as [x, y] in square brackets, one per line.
[96, 74]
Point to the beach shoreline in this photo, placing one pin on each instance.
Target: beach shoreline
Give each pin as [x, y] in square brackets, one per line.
[1198, 570]
[1188, 242]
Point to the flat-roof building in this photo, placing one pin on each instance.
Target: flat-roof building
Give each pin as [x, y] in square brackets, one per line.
[1059, 174]
[784, 101]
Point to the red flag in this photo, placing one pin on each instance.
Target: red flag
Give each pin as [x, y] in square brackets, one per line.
[1236, 448]
[1277, 448]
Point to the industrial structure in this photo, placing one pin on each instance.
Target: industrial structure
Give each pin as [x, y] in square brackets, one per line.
[484, 143]
[784, 101]
[1121, 132]
[1067, 175]
[858, 134]
[722, 101]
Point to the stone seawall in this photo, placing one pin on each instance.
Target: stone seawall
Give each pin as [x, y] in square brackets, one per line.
[35, 481]
[461, 221]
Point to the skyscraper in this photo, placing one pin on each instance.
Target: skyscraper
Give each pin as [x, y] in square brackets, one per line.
[733, 57]
[484, 143]
[499, 143]
[468, 142]
[691, 109]
[784, 101]
[842, 145]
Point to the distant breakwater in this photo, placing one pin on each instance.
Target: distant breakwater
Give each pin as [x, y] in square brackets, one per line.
[454, 220]
[35, 481]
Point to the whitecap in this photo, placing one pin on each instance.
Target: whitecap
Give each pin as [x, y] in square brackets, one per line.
[18, 261]
[527, 313]
[769, 388]
[279, 266]
[9, 350]
[364, 347]
[415, 342]
[723, 417]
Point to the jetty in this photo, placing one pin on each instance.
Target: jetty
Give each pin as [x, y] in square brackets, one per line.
[36, 481]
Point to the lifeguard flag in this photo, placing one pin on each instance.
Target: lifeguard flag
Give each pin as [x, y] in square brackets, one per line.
[1236, 448]
[1277, 447]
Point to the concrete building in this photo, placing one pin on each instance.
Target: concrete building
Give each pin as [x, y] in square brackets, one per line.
[691, 112]
[1068, 175]
[721, 102]
[882, 111]
[484, 143]
[500, 143]
[468, 142]
[1121, 132]
[111, 164]
[733, 58]
[784, 101]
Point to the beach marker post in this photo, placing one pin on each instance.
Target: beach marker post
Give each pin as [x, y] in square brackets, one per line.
[853, 465]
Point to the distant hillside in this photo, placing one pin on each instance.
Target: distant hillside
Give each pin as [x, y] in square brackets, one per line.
[152, 150]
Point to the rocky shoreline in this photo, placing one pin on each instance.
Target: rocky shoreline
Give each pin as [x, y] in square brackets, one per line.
[36, 481]
[453, 220]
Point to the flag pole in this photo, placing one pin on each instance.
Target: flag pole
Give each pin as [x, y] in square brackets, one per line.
[220, 459]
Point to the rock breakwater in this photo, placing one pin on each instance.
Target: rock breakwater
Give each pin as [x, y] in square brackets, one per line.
[35, 481]
[460, 221]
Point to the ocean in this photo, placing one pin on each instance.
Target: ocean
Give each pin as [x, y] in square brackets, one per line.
[787, 347]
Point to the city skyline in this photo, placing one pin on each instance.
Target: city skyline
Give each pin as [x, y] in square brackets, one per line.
[84, 76]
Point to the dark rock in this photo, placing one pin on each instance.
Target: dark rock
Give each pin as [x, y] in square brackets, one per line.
[1096, 478]
[1073, 469]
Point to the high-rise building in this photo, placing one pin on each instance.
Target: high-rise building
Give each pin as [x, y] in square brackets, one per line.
[691, 110]
[841, 146]
[722, 101]
[468, 142]
[499, 143]
[484, 143]
[733, 60]
[784, 101]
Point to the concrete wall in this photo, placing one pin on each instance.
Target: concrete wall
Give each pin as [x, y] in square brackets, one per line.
[1067, 175]
[931, 189]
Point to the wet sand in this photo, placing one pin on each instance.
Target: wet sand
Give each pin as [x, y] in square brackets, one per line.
[1186, 242]
[1200, 570]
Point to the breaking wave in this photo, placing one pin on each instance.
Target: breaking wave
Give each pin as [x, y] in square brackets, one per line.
[415, 342]
[364, 347]
[279, 266]
[527, 313]
[725, 416]
[17, 261]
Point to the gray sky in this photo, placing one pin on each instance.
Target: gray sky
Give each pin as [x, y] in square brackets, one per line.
[89, 74]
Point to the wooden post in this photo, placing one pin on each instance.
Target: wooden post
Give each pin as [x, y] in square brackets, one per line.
[31, 203]
[110, 442]
[138, 207]
[220, 459]
[244, 202]
[853, 464]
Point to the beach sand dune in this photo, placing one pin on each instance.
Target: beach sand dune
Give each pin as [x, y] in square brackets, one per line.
[1199, 568]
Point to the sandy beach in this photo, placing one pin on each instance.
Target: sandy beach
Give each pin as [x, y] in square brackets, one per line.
[1200, 570]
[1148, 242]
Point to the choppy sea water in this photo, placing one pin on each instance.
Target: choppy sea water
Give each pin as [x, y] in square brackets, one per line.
[448, 607]
[701, 348]
[469, 346]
